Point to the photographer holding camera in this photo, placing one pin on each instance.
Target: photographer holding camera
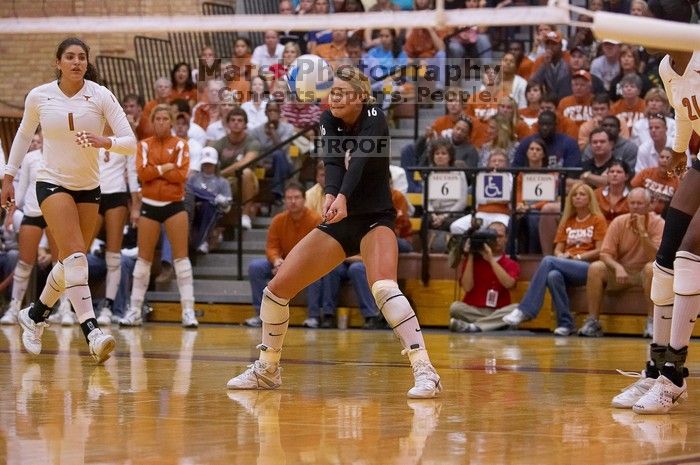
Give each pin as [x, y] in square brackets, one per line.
[487, 297]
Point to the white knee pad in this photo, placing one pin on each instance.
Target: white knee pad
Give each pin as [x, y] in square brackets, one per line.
[274, 310]
[183, 274]
[23, 270]
[142, 270]
[662, 286]
[113, 260]
[386, 290]
[687, 274]
[76, 270]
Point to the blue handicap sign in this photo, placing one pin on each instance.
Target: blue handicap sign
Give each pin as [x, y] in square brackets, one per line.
[493, 186]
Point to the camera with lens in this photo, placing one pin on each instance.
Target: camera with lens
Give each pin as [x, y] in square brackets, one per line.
[477, 238]
[480, 238]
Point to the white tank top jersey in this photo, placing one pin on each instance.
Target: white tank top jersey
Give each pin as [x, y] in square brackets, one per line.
[684, 95]
[115, 171]
[25, 192]
[65, 163]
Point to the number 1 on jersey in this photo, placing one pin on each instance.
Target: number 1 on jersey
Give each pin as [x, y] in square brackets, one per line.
[686, 103]
[71, 126]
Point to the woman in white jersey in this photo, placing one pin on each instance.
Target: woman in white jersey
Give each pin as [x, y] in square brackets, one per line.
[116, 171]
[31, 229]
[72, 111]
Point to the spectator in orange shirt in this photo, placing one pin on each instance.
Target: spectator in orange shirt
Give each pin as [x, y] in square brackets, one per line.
[613, 197]
[133, 108]
[163, 89]
[524, 64]
[630, 108]
[334, 52]
[286, 230]
[659, 182]
[183, 86]
[207, 112]
[239, 72]
[600, 108]
[424, 42]
[454, 105]
[577, 106]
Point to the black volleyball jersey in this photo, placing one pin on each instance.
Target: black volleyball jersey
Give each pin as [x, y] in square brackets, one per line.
[365, 181]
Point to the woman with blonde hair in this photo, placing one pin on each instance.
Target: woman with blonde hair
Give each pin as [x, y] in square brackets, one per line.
[358, 218]
[162, 163]
[578, 241]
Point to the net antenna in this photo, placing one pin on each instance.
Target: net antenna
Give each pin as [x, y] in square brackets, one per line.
[649, 32]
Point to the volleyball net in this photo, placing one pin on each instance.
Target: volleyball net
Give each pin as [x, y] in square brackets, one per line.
[624, 28]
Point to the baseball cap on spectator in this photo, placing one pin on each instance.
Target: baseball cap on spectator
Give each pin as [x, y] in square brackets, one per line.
[582, 73]
[209, 155]
[611, 41]
[581, 49]
[553, 36]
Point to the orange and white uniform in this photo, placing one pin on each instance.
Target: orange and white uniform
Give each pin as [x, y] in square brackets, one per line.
[159, 189]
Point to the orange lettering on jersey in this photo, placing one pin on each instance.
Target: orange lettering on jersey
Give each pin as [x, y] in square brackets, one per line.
[578, 236]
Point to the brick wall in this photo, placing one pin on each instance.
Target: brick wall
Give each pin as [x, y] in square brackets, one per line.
[28, 60]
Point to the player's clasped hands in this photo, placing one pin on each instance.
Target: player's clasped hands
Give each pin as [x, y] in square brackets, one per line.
[334, 208]
[86, 139]
[7, 199]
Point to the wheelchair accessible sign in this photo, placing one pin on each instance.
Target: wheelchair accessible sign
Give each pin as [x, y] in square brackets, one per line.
[493, 187]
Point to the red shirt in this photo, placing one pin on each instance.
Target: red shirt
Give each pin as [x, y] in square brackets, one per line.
[487, 279]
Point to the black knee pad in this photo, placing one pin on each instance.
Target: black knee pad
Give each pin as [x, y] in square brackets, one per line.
[675, 228]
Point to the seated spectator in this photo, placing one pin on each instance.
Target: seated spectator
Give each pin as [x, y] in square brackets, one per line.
[507, 110]
[163, 92]
[267, 54]
[291, 52]
[384, 60]
[577, 106]
[315, 38]
[207, 57]
[235, 150]
[595, 169]
[523, 63]
[562, 149]
[630, 107]
[509, 82]
[255, 104]
[656, 102]
[139, 122]
[240, 71]
[500, 136]
[612, 198]
[205, 112]
[425, 43]
[578, 61]
[626, 256]
[454, 108]
[182, 85]
[300, 115]
[207, 198]
[334, 52]
[269, 135]
[578, 241]
[607, 65]
[600, 108]
[288, 36]
[482, 105]
[217, 128]
[486, 276]
[629, 66]
[488, 210]
[659, 182]
[565, 125]
[539, 34]
[623, 149]
[443, 211]
[470, 41]
[286, 229]
[182, 127]
[556, 68]
[536, 158]
[533, 95]
[354, 270]
[465, 153]
[648, 152]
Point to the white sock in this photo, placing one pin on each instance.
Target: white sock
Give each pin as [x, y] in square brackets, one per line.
[398, 313]
[183, 272]
[20, 281]
[274, 313]
[662, 324]
[142, 274]
[114, 274]
[77, 289]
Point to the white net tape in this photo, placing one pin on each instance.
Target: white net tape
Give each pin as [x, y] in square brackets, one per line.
[625, 28]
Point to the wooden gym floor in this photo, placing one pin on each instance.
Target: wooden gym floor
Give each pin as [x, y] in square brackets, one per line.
[510, 398]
